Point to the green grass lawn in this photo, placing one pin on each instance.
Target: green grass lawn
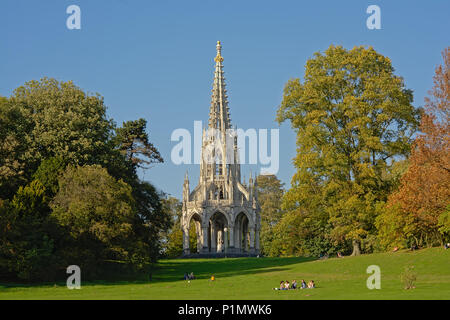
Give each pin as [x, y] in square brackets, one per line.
[254, 278]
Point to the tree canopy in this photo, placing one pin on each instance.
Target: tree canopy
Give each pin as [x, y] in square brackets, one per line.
[70, 191]
[270, 192]
[418, 212]
[353, 117]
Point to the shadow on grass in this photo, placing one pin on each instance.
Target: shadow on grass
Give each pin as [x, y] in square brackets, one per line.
[174, 270]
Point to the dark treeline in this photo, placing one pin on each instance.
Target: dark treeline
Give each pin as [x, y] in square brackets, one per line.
[69, 191]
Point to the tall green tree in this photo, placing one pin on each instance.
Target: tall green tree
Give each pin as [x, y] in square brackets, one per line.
[152, 220]
[46, 125]
[27, 233]
[48, 174]
[352, 116]
[270, 193]
[13, 148]
[98, 213]
[61, 120]
[174, 244]
[134, 143]
[418, 212]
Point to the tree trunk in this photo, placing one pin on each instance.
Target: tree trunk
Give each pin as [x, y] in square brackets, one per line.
[356, 249]
[150, 272]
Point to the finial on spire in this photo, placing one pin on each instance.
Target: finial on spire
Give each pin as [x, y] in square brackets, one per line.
[219, 114]
[219, 52]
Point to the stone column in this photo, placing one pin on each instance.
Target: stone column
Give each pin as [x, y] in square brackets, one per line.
[237, 238]
[252, 239]
[199, 236]
[246, 236]
[213, 238]
[244, 233]
[219, 240]
[186, 241]
[225, 238]
[205, 248]
[231, 245]
[257, 241]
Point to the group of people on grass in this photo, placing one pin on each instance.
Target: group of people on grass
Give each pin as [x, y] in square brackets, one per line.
[189, 276]
[285, 285]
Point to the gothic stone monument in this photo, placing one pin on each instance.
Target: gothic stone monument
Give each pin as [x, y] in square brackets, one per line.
[224, 210]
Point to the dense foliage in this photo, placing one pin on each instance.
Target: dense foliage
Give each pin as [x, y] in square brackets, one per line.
[174, 239]
[354, 119]
[270, 193]
[69, 187]
[418, 212]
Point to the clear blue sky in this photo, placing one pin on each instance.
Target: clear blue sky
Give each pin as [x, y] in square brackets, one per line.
[154, 59]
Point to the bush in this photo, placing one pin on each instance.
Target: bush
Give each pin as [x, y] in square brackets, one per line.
[408, 277]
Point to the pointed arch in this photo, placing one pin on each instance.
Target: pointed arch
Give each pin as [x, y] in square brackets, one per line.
[246, 213]
[218, 210]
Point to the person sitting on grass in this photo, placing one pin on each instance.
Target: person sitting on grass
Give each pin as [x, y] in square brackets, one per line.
[303, 285]
[286, 285]
[186, 277]
[294, 285]
[282, 285]
[213, 278]
[191, 276]
[311, 284]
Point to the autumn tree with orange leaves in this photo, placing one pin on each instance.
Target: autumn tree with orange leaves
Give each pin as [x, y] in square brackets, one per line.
[419, 211]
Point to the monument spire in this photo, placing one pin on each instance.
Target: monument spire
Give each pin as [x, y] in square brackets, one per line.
[219, 113]
[225, 211]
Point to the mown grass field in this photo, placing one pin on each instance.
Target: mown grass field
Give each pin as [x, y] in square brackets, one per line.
[254, 278]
